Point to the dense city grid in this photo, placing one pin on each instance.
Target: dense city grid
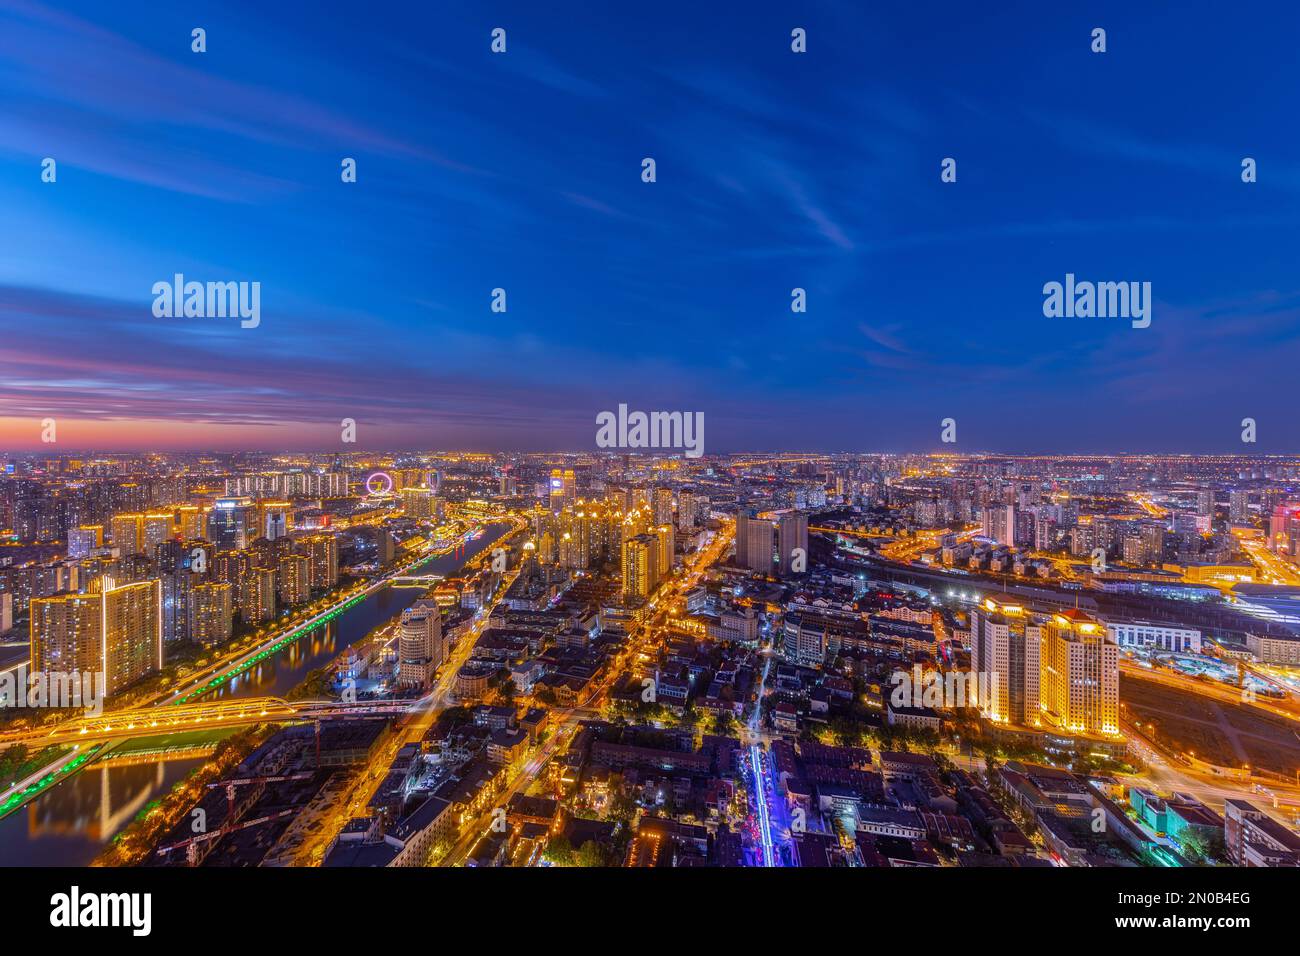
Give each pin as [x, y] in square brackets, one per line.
[643, 660]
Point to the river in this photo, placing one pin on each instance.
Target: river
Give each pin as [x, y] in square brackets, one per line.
[69, 824]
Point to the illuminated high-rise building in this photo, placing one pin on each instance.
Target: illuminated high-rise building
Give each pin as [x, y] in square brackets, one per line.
[635, 522]
[295, 579]
[1006, 660]
[230, 566]
[232, 523]
[1145, 545]
[211, 612]
[548, 546]
[273, 519]
[128, 533]
[266, 553]
[132, 632]
[570, 555]
[570, 542]
[174, 560]
[640, 566]
[666, 544]
[115, 631]
[419, 503]
[600, 525]
[191, 522]
[67, 633]
[323, 549]
[385, 545]
[1080, 675]
[1279, 527]
[419, 645]
[176, 590]
[1205, 502]
[619, 499]
[686, 504]
[754, 542]
[1284, 528]
[257, 596]
[234, 567]
[556, 489]
[663, 506]
[85, 539]
[791, 543]
[563, 488]
[36, 518]
[1000, 523]
[169, 491]
[584, 535]
[157, 527]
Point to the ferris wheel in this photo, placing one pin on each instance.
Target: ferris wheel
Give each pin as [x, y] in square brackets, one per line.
[380, 484]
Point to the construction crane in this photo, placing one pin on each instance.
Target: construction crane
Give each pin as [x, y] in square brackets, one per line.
[191, 845]
[234, 782]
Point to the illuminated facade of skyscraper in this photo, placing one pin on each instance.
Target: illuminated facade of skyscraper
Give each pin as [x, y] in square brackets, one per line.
[663, 506]
[173, 559]
[563, 488]
[211, 612]
[640, 566]
[666, 541]
[419, 503]
[257, 596]
[1006, 659]
[686, 503]
[323, 549]
[273, 519]
[128, 533]
[1080, 675]
[85, 539]
[1000, 523]
[295, 579]
[115, 630]
[191, 522]
[754, 542]
[792, 540]
[232, 523]
[419, 645]
[156, 528]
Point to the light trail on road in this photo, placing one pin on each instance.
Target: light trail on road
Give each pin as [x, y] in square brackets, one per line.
[764, 825]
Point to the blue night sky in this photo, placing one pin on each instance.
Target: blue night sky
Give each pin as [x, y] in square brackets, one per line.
[775, 170]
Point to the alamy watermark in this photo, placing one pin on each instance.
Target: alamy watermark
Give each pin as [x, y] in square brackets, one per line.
[1102, 300]
[208, 300]
[952, 690]
[133, 911]
[651, 430]
[85, 689]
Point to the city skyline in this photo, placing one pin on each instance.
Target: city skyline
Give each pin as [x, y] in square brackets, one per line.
[620, 660]
[522, 171]
[602, 437]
